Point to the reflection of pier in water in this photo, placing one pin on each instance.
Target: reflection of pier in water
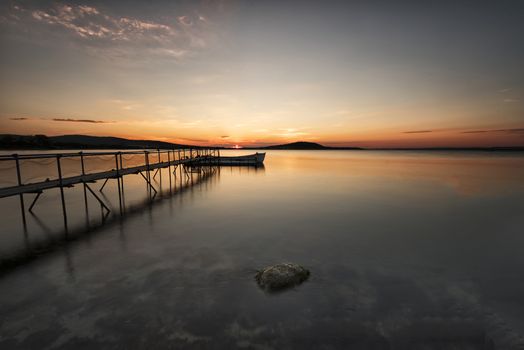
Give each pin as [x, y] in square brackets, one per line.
[58, 241]
[181, 177]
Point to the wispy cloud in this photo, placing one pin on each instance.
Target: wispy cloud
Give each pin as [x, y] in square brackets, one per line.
[126, 105]
[510, 100]
[192, 124]
[112, 36]
[81, 120]
[291, 132]
[73, 120]
[509, 131]
[191, 139]
[417, 131]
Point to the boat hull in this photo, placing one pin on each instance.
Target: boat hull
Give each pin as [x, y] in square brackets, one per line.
[256, 159]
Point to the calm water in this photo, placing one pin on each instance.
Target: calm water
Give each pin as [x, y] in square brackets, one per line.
[408, 250]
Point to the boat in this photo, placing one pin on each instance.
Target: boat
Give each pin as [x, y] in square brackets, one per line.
[256, 159]
[250, 159]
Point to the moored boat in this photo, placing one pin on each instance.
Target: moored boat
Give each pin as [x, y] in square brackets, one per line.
[250, 159]
[256, 159]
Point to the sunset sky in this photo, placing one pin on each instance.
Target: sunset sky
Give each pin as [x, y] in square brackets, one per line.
[356, 73]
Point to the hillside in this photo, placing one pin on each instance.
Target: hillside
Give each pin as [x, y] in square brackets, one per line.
[303, 145]
[8, 141]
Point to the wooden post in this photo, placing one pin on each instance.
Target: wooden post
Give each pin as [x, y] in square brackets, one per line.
[147, 172]
[122, 183]
[160, 169]
[169, 168]
[64, 211]
[118, 183]
[19, 177]
[83, 182]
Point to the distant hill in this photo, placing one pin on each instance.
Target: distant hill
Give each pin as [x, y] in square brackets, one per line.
[110, 142]
[8, 141]
[303, 145]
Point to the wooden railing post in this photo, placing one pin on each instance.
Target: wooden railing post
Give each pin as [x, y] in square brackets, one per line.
[61, 184]
[83, 181]
[19, 178]
[117, 164]
[169, 168]
[147, 171]
[159, 169]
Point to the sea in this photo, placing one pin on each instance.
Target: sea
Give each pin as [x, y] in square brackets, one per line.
[406, 249]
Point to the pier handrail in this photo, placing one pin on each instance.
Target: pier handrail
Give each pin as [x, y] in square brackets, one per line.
[6, 157]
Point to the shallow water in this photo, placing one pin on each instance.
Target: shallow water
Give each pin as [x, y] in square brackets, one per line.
[407, 250]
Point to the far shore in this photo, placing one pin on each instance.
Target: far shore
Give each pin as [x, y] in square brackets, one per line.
[10, 142]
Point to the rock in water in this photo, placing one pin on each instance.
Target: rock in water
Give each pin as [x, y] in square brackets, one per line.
[281, 276]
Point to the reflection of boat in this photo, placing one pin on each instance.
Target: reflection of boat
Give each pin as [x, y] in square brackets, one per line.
[250, 159]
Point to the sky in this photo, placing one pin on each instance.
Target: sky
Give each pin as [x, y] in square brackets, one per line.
[251, 73]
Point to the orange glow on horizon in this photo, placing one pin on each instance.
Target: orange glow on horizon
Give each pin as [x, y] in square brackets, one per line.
[487, 136]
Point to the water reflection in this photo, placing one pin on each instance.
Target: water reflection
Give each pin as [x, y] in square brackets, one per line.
[53, 240]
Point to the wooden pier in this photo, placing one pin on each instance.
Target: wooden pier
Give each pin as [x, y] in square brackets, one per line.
[150, 161]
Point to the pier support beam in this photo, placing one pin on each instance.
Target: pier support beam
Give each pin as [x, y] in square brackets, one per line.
[150, 186]
[34, 201]
[102, 204]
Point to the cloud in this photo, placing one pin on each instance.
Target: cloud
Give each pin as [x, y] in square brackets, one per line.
[509, 131]
[188, 125]
[80, 120]
[417, 131]
[224, 137]
[113, 36]
[93, 121]
[291, 132]
[510, 100]
[191, 140]
[476, 131]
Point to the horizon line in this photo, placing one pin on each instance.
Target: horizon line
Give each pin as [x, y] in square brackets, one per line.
[236, 146]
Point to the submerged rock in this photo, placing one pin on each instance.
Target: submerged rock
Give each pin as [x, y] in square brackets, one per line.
[281, 276]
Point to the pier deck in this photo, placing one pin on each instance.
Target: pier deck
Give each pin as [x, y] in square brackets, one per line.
[74, 180]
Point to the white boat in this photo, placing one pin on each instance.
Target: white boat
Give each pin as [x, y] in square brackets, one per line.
[256, 159]
[250, 159]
